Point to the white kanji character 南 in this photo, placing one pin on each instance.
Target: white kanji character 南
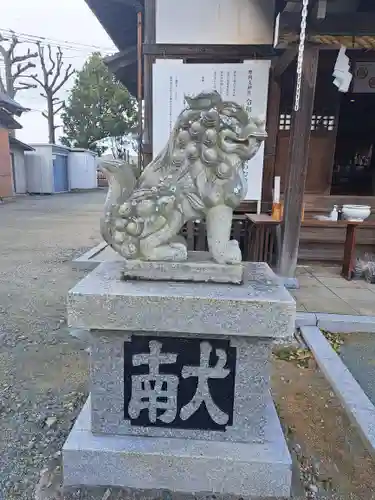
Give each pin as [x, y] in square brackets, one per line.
[204, 372]
[153, 390]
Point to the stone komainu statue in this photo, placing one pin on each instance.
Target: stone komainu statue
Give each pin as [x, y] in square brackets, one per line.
[199, 174]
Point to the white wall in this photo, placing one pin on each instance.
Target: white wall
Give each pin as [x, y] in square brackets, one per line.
[19, 170]
[39, 170]
[82, 170]
[239, 22]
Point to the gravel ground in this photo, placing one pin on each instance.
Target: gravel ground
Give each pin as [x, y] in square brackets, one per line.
[43, 370]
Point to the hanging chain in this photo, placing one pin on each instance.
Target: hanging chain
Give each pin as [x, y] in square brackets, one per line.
[301, 50]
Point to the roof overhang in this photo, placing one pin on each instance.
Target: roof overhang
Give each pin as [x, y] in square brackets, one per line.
[10, 105]
[21, 145]
[119, 19]
[7, 120]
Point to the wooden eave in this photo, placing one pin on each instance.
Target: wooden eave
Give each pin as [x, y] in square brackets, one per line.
[19, 144]
[119, 19]
[348, 24]
[10, 105]
[7, 120]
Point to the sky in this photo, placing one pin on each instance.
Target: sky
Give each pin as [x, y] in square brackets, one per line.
[68, 21]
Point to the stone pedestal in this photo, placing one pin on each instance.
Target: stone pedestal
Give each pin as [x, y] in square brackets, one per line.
[180, 395]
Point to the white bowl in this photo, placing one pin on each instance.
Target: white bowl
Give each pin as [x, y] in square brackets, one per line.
[357, 213]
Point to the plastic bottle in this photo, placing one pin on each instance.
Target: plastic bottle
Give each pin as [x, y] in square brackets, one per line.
[334, 215]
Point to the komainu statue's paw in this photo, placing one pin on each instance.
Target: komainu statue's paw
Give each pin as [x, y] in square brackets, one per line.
[175, 252]
[180, 251]
[233, 254]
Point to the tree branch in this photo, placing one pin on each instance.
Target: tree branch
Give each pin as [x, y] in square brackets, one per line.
[29, 55]
[43, 64]
[2, 86]
[52, 85]
[59, 66]
[12, 46]
[10, 59]
[25, 86]
[68, 73]
[57, 110]
[36, 79]
[21, 69]
[51, 59]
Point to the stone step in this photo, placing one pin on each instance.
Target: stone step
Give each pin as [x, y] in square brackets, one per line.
[179, 465]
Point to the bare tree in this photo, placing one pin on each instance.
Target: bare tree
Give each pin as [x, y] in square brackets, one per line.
[15, 67]
[52, 81]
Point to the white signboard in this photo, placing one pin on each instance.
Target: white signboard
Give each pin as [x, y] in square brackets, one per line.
[364, 78]
[246, 84]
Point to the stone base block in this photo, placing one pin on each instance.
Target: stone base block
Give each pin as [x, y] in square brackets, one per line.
[199, 268]
[251, 394]
[181, 466]
[261, 307]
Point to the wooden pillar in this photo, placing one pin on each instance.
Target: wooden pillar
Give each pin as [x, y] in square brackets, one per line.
[273, 118]
[140, 88]
[149, 38]
[298, 159]
[6, 184]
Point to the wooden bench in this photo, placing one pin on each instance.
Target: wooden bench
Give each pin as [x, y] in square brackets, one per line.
[348, 264]
[264, 237]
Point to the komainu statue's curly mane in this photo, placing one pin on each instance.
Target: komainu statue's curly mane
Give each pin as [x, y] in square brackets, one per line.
[199, 170]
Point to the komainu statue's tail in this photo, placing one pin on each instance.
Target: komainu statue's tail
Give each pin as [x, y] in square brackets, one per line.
[121, 183]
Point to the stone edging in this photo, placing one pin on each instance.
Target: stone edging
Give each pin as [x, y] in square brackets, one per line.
[84, 262]
[355, 402]
[337, 323]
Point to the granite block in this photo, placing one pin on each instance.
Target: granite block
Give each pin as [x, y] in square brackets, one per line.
[198, 268]
[346, 323]
[261, 307]
[179, 465]
[250, 399]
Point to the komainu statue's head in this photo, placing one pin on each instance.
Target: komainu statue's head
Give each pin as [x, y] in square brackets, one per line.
[218, 129]
[216, 137]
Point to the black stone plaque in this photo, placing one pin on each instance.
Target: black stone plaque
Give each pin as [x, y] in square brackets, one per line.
[179, 382]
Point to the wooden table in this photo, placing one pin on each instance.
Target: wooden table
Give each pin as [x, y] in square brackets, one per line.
[264, 238]
[262, 245]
